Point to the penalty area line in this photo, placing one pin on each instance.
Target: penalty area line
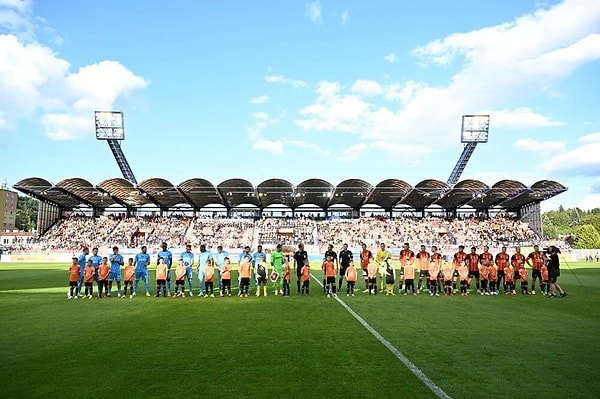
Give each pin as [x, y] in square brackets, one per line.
[439, 392]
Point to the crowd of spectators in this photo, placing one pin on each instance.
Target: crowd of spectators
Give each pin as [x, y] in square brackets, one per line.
[272, 231]
[71, 233]
[443, 232]
[229, 233]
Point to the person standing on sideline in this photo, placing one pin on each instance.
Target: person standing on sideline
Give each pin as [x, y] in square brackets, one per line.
[219, 260]
[167, 257]
[299, 257]
[116, 261]
[142, 260]
[203, 257]
[554, 271]
[188, 261]
[346, 259]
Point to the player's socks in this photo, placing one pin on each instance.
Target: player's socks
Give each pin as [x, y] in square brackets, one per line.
[298, 283]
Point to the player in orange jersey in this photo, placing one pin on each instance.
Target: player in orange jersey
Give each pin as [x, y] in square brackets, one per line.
[407, 259]
[409, 279]
[535, 260]
[372, 270]
[545, 284]
[88, 279]
[502, 259]
[509, 278]
[74, 272]
[103, 272]
[161, 277]
[447, 276]
[365, 255]
[434, 271]
[305, 278]
[472, 262]
[209, 276]
[423, 259]
[350, 279]
[245, 269]
[226, 277]
[463, 275]
[493, 279]
[517, 261]
[485, 259]
[329, 272]
[287, 278]
[435, 259]
[180, 274]
[129, 274]
[459, 259]
[523, 275]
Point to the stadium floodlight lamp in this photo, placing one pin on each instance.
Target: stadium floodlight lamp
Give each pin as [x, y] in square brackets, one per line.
[475, 129]
[109, 125]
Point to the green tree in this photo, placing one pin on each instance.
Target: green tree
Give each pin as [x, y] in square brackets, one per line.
[587, 237]
[26, 217]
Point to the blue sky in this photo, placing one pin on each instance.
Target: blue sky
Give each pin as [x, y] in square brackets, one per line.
[298, 90]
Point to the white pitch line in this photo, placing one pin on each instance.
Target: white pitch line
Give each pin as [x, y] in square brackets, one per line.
[439, 392]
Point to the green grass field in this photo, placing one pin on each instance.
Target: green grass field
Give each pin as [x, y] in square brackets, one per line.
[288, 347]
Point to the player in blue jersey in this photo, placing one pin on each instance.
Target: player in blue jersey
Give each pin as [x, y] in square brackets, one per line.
[167, 257]
[96, 260]
[219, 258]
[82, 259]
[142, 260]
[116, 261]
[188, 261]
[203, 257]
[255, 259]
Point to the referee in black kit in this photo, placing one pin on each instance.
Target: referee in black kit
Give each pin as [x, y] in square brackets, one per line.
[554, 271]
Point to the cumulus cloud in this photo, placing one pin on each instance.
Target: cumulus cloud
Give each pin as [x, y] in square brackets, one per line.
[391, 58]
[497, 65]
[544, 147]
[35, 81]
[272, 78]
[271, 146]
[313, 11]
[582, 160]
[260, 100]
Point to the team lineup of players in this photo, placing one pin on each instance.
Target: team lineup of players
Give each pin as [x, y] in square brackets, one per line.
[418, 271]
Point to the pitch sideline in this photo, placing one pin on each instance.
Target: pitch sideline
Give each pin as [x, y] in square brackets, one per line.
[439, 392]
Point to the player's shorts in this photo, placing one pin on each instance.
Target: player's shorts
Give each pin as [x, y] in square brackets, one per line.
[424, 274]
[516, 275]
[262, 280]
[474, 274]
[389, 279]
[455, 273]
[330, 280]
[179, 282]
[552, 278]
[500, 273]
[536, 273]
[447, 283]
[244, 281]
[343, 270]
[141, 275]
[161, 282]
[226, 282]
[114, 276]
[372, 280]
[105, 281]
[129, 281]
[72, 283]
[409, 281]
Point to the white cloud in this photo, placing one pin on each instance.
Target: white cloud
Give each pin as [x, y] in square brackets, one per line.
[498, 65]
[272, 146]
[543, 147]
[260, 100]
[345, 17]
[15, 16]
[271, 78]
[367, 88]
[302, 144]
[391, 58]
[260, 115]
[313, 11]
[582, 160]
[35, 81]
[589, 202]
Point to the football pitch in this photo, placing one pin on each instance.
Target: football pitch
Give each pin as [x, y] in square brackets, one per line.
[297, 347]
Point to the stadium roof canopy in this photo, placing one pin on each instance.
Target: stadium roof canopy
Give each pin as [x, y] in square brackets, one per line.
[355, 193]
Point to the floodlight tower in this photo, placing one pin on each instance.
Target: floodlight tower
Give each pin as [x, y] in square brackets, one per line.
[109, 127]
[475, 129]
